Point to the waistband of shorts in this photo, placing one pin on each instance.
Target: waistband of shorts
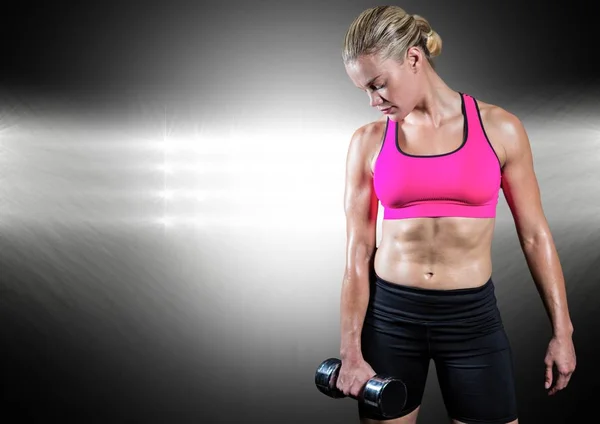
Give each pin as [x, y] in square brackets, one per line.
[404, 288]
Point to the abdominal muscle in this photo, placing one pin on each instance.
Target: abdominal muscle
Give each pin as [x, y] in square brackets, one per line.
[436, 253]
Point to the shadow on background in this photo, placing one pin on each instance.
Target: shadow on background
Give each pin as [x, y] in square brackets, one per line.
[98, 332]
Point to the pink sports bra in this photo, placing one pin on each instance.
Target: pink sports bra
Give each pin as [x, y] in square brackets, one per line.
[461, 183]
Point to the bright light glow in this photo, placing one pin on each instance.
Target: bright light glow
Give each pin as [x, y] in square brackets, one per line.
[166, 194]
[166, 168]
[285, 179]
[239, 166]
[166, 221]
[243, 196]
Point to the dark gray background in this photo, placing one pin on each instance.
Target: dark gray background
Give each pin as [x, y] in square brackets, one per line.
[222, 312]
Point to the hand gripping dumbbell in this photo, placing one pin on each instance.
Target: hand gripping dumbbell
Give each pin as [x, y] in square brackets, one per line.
[387, 395]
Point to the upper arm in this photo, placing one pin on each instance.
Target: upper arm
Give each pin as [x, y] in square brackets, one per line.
[519, 182]
[360, 202]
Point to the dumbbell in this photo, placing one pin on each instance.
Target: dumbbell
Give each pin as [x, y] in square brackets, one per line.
[387, 395]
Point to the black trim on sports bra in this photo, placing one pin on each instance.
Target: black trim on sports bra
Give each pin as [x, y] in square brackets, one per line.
[485, 134]
[465, 135]
[375, 157]
[387, 123]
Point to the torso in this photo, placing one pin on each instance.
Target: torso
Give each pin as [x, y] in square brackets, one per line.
[437, 253]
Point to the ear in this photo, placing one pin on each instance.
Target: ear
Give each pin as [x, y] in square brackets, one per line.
[414, 58]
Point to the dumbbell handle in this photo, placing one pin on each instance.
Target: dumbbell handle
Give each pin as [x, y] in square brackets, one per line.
[337, 393]
[360, 396]
[372, 390]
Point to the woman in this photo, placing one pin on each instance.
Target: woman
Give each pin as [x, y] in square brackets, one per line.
[436, 161]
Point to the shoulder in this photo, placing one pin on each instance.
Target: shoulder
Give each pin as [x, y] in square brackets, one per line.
[504, 128]
[369, 133]
[366, 141]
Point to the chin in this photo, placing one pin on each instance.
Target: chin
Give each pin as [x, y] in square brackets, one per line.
[396, 116]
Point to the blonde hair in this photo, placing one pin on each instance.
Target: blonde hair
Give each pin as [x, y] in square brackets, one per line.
[389, 32]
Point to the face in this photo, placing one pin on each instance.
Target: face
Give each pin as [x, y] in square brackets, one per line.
[392, 86]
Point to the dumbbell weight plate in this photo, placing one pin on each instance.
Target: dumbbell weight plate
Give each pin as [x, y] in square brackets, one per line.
[326, 378]
[387, 395]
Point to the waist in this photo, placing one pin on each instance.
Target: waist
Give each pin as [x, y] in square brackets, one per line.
[393, 301]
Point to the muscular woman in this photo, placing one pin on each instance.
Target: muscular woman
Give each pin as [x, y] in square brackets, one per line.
[436, 161]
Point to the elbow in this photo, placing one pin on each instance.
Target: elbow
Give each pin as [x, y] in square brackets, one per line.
[536, 239]
[360, 262]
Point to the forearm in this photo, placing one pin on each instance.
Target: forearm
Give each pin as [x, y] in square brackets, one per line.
[354, 301]
[544, 265]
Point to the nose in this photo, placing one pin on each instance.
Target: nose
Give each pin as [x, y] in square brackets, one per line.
[374, 99]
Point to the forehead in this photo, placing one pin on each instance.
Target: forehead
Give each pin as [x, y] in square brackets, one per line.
[366, 69]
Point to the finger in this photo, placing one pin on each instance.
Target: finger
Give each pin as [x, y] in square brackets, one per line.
[347, 388]
[356, 390]
[562, 381]
[548, 382]
[340, 384]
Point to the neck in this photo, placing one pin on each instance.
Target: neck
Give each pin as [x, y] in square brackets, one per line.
[436, 103]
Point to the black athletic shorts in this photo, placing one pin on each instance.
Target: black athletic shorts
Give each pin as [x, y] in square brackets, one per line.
[460, 330]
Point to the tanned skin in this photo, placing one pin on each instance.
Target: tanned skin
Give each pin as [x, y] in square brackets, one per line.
[439, 253]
